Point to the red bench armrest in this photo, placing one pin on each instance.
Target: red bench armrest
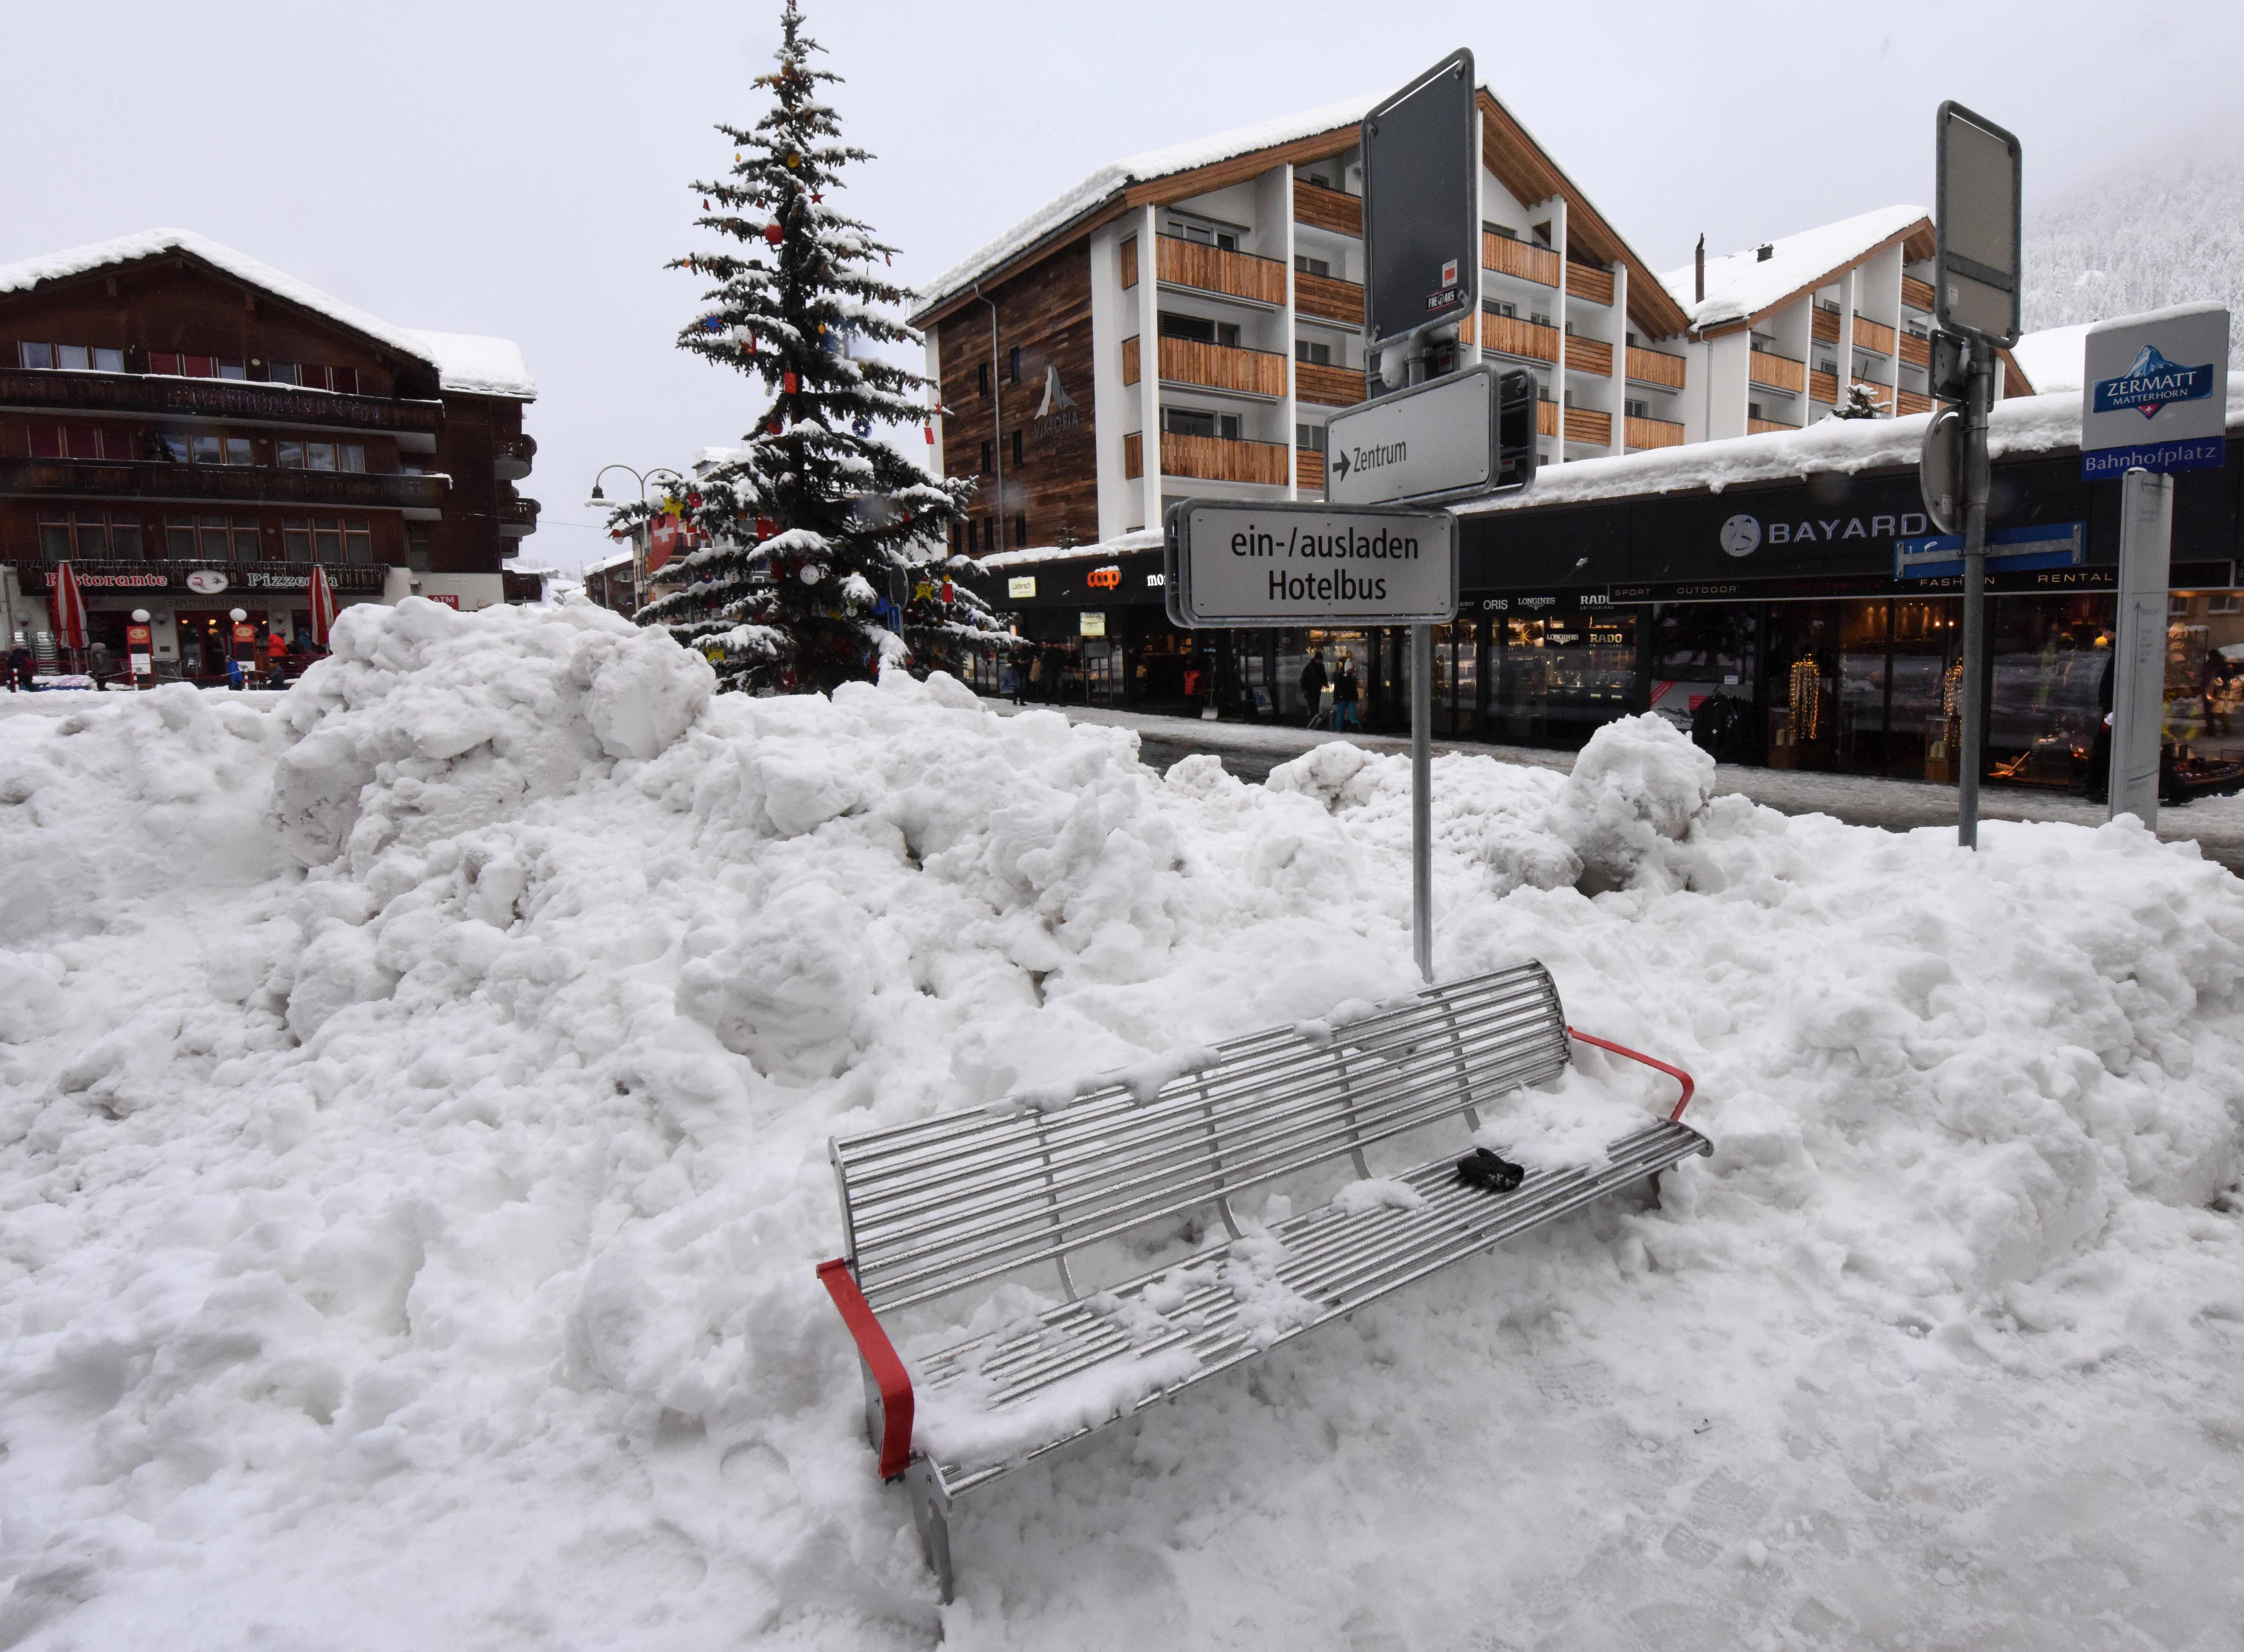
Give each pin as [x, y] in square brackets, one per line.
[880, 1359]
[1676, 1073]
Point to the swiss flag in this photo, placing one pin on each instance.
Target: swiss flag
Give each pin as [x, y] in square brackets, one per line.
[661, 542]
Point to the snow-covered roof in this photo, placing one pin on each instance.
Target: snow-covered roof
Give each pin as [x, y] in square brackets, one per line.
[1740, 285]
[2016, 426]
[474, 365]
[619, 559]
[2054, 357]
[490, 367]
[1143, 539]
[1139, 169]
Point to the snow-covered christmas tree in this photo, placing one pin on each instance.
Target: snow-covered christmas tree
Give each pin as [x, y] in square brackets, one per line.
[822, 552]
[1860, 402]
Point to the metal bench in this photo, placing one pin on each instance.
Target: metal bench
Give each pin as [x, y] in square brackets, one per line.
[1059, 1182]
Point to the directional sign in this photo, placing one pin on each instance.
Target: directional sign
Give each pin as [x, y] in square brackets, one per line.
[1445, 438]
[2156, 392]
[2009, 550]
[1290, 564]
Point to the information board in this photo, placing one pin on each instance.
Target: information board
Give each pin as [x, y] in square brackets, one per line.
[2154, 394]
[1421, 203]
[1291, 563]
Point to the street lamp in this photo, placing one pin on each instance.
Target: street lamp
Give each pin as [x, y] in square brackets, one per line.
[638, 546]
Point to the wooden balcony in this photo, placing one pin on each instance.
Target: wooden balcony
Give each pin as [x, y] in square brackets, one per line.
[1130, 262]
[1528, 262]
[511, 456]
[1652, 433]
[1133, 455]
[1331, 209]
[517, 518]
[1916, 350]
[1593, 356]
[1583, 424]
[1822, 386]
[1130, 367]
[1220, 459]
[1308, 469]
[1509, 335]
[1873, 336]
[1585, 281]
[1329, 297]
[1824, 329]
[227, 485]
[1778, 372]
[1913, 401]
[1179, 262]
[1326, 386]
[1655, 366]
[235, 400]
[1220, 367]
[1916, 294]
[1767, 427]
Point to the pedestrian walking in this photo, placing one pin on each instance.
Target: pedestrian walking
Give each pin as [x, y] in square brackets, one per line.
[1313, 685]
[1346, 692]
[1036, 674]
[276, 655]
[96, 659]
[19, 670]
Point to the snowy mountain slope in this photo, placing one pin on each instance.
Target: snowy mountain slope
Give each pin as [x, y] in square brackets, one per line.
[407, 1217]
[2159, 233]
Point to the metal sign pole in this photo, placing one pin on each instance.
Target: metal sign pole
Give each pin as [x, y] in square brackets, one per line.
[2138, 644]
[1421, 797]
[1976, 482]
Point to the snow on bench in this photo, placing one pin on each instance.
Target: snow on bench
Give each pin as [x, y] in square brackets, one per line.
[1063, 1177]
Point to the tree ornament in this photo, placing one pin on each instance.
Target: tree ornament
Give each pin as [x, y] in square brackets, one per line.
[694, 502]
[810, 574]
[704, 205]
[789, 382]
[929, 430]
[793, 161]
[861, 425]
[765, 529]
[948, 592]
[773, 234]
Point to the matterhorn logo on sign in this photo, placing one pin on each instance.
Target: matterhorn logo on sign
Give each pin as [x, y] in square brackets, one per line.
[1056, 400]
[2150, 383]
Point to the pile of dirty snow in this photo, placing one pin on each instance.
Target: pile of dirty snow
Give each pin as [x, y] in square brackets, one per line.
[413, 1110]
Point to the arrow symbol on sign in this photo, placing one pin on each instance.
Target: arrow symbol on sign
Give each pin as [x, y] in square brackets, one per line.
[1340, 465]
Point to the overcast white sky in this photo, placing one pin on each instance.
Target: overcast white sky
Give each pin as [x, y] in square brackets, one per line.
[520, 169]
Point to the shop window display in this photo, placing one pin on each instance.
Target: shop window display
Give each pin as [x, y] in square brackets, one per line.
[2045, 702]
[1563, 677]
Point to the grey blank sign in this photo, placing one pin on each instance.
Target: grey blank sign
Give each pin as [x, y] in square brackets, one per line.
[1979, 227]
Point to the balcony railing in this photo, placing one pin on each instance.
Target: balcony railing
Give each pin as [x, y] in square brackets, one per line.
[1508, 257]
[1915, 349]
[1329, 297]
[1655, 366]
[1914, 402]
[1222, 366]
[1916, 294]
[1586, 281]
[1593, 356]
[347, 579]
[1822, 386]
[1331, 209]
[1583, 424]
[1824, 329]
[1767, 427]
[1509, 335]
[1221, 459]
[234, 399]
[1778, 372]
[1873, 336]
[1308, 468]
[516, 517]
[1179, 262]
[236, 484]
[1328, 385]
[511, 456]
[1133, 455]
[1652, 433]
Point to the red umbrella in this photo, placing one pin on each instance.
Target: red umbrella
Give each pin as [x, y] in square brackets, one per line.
[69, 608]
[323, 605]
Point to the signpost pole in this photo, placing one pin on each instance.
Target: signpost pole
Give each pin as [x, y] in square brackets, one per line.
[2138, 644]
[1975, 484]
[1421, 798]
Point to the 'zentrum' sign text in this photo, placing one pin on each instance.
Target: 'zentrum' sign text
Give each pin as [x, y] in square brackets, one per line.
[1301, 563]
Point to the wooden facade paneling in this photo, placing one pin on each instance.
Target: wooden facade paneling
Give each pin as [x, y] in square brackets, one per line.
[1822, 386]
[1912, 401]
[1328, 387]
[1916, 350]
[1218, 366]
[1586, 281]
[1217, 459]
[1916, 294]
[1130, 262]
[1331, 209]
[1593, 356]
[1655, 366]
[1652, 433]
[1309, 470]
[1328, 297]
[1767, 427]
[1044, 312]
[1873, 336]
[1587, 424]
[1509, 335]
[1130, 365]
[1509, 257]
[1179, 262]
[1778, 372]
[1133, 455]
[1824, 325]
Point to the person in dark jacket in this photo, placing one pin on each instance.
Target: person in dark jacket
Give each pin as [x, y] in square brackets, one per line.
[2098, 778]
[19, 670]
[1347, 689]
[1313, 685]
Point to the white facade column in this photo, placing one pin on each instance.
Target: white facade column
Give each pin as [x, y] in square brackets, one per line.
[1846, 363]
[1619, 334]
[1471, 357]
[1113, 314]
[1559, 367]
[1291, 338]
[1149, 360]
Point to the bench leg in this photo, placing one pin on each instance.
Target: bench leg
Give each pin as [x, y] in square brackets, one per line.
[930, 1513]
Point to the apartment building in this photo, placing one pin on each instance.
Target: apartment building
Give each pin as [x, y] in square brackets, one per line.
[1781, 334]
[1185, 322]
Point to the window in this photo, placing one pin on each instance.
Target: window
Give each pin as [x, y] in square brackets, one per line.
[296, 539]
[351, 456]
[1502, 232]
[108, 361]
[73, 357]
[1826, 367]
[416, 550]
[2222, 602]
[1753, 410]
[207, 450]
[231, 370]
[1636, 409]
[55, 538]
[1498, 307]
[2178, 605]
[1763, 342]
[1540, 321]
[199, 366]
[179, 540]
[211, 539]
[1631, 337]
[989, 459]
[1013, 365]
[283, 373]
[85, 442]
[1204, 234]
[1021, 530]
[47, 442]
[982, 381]
[288, 456]
[238, 451]
[124, 540]
[165, 446]
[1321, 355]
[39, 356]
[319, 456]
[358, 543]
[1019, 462]
[326, 542]
[1309, 438]
[1308, 266]
[92, 539]
[1190, 421]
[245, 540]
[1320, 181]
[1199, 329]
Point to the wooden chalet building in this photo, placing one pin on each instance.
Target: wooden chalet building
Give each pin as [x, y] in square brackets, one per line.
[193, 430]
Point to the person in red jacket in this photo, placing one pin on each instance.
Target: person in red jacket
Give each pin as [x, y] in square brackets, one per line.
[276, 655]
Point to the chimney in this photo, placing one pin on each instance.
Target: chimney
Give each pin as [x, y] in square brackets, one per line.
[1699, 265]
[1765, 252]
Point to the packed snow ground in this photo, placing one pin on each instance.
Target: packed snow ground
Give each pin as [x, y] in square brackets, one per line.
[413, 1103]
